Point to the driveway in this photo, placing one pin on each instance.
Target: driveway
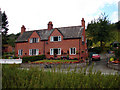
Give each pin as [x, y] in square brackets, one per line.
[102, 65]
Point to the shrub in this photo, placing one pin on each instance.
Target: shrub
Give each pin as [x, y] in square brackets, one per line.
[33, 58]
[15, 57]
[51, 58]
[96, 50]
[75, 59]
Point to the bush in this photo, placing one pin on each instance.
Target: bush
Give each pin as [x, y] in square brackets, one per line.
[96, 50]
[75, 59]
[15, 57]
[33, 58]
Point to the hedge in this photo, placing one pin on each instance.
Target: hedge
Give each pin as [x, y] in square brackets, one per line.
[33, 58]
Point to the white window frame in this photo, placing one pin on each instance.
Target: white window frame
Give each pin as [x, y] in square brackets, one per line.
[86, 40]
[72, 49]
[31, 50]
[30, 40]
[52, 51]
[59, 38]
[20, 52]
[36, 41]
[82, 38]
[52, 38]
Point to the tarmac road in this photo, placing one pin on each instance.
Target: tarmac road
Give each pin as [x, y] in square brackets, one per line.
[102, 65]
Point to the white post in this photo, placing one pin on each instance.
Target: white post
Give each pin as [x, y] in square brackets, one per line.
[119, 11]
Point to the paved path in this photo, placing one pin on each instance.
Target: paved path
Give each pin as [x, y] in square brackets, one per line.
[102, 65]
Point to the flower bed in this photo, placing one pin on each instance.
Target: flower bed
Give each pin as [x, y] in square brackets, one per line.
[57, 62]
[114, 60]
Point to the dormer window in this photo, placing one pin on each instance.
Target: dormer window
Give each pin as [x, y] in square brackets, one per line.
[55, 38]
[34, 40]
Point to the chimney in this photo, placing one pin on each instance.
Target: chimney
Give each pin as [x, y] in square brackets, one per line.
[50, 25]
[83, 22]
[23, 29]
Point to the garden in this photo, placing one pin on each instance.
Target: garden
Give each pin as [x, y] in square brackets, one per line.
[116, 58]
[55, 61]
[15, 77]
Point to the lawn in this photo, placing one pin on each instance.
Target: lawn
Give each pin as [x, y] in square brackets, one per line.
[56, 61]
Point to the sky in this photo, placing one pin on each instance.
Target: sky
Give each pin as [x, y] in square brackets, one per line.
[35, 14]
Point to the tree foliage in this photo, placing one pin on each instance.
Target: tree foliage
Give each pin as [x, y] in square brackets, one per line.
[4, 28]
[11, 39]
[99, 30]
[118, 25]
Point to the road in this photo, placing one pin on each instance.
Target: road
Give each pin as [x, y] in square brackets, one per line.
[98, 66]
[102, 65]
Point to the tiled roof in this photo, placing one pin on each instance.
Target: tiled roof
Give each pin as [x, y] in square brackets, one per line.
[67, 32]
[24, 37]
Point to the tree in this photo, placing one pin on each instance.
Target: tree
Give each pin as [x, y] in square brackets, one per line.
[4, 28]
[118, 25]
[99, 30]
[11, 39]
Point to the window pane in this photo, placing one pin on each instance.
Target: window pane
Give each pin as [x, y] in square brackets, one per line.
[72, 50]
[37, 40]
[37, 51]
[55, 38]
[82, 38]
[51, 38]
[20, 52]
[55, 51]
[51, 51]
[31, 40]
[59, 51]
[59, 38]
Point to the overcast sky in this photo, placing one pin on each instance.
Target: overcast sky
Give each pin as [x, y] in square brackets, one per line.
[35, 14]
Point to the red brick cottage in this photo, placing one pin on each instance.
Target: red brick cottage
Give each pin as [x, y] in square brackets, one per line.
[53, 42]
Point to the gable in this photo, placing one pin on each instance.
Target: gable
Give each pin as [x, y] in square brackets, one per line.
[55, 32]
[34, 35]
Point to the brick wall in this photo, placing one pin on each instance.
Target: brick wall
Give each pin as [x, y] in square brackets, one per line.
[44, 46]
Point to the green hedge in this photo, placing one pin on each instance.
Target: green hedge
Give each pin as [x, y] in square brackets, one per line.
[33, 58]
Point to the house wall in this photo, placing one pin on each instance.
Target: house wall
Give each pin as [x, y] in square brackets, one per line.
[8, 48]
[25, 46]
[44, 46]
[63, 44]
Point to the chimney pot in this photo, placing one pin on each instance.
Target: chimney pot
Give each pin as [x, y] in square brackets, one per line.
[50, 25]
[23, 29]
[83, 22]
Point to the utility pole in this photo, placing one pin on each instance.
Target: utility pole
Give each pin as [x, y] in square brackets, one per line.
[0, 34]
[0, 49]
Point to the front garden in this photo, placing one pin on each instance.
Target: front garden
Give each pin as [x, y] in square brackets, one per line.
[55, 61]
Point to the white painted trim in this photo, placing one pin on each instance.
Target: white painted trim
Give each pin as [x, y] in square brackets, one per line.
[70, 51]
[52, 37]
[20, 52]
[52, 53]
[37, 51]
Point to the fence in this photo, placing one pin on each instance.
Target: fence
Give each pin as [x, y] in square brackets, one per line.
[10, 61]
